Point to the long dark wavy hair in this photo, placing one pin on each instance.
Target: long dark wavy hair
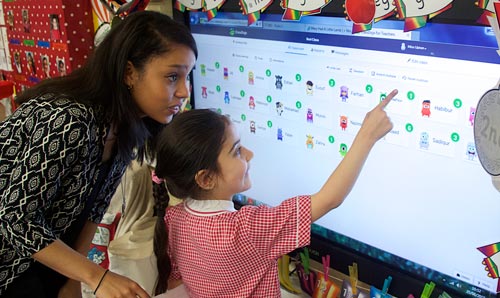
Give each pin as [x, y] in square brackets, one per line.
[138, 38]
[190, 143]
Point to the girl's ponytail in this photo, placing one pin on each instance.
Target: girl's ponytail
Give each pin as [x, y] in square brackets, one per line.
[160, 242]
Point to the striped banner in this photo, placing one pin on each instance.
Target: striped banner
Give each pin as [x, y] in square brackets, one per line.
[103, 14]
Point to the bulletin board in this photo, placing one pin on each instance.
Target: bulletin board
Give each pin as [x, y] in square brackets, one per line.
[44, 39]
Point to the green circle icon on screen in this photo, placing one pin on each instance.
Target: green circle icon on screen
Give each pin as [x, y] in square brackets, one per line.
[269, 124]
[217, 65]
[369, 88]
[242, 69]
[457, 103]
[269, 98]
[410, 95]
[298, 104]
[331, 139]
[298, 77]
[268, 72]
[217, 88]
[242, 93]
[219, 111]
[455, 137]
[243, 117]
[331, 82]
[409, 127]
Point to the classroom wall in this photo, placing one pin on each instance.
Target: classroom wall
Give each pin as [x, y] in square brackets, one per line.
[164, 6]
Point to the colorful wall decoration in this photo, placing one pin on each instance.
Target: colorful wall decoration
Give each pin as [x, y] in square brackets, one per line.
[46, 38]
[101, 11]
[383, 9]
[253, 9]
[363, 13]
[489, 10]
[209, 6]
[295, 9]
[417, 12]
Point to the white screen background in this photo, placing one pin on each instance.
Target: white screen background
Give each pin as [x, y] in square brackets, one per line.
[432, 206]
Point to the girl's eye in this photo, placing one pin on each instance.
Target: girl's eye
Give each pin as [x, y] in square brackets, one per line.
[237, 151]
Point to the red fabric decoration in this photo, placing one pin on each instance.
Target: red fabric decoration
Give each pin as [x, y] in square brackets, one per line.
[98, 252]
[47, 38]
[6, 89]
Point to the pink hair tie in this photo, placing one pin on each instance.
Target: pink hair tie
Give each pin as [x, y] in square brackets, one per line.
[155, 178]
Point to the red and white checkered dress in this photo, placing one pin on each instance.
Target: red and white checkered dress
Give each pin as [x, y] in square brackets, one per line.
[220, 252]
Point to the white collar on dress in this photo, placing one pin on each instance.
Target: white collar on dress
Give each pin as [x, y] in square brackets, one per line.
[208, 207]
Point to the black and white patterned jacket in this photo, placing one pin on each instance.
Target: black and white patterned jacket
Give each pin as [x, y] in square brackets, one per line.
[50, 152]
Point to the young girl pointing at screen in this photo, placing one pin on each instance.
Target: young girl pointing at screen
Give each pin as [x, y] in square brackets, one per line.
[207, 245]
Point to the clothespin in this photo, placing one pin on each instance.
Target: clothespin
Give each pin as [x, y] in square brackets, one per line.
[444, 295]
[304, 258]
[428, 288]
[307, 277]
[326, 266]
[385, 288]
[353, 277]
[284, 274]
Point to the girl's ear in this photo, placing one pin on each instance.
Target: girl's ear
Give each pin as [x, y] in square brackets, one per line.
[131, 75]
[205, 179]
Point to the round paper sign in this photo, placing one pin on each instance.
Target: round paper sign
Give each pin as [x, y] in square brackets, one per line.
[101, 32]
[487, 131]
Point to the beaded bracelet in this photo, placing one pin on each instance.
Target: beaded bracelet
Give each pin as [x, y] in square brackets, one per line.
[99, 284]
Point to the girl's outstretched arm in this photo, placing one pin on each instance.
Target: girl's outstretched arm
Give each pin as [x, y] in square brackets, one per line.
[375, 125]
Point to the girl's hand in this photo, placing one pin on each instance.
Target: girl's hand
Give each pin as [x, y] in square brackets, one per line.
[376, 123]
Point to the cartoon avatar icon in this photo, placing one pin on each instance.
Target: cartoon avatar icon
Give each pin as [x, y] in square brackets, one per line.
[426, 108]
[226, 73]
[472, 114]
[226, 97]
[279, 83]
[250, 78]
[424, 140]
[471, 151]
[383, 96]
[203, 69]
[252, 126]
[280, 134]
[309, 141]
[343, 122]
[344, 93]
[309, 116]
[309, 87]
[251, 103]
[279, 108]
[204, 92]
[343, 149]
